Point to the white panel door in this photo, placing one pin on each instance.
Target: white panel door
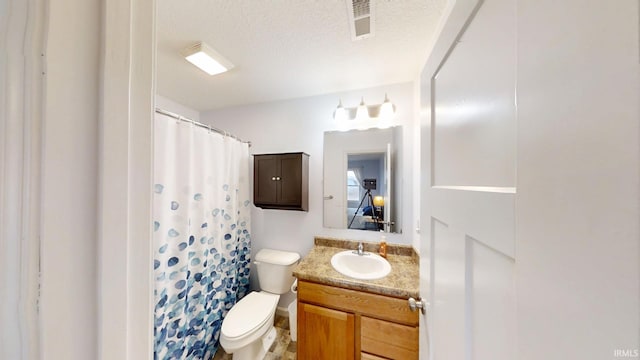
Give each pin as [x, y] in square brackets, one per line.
[468, 178]
[568, 269]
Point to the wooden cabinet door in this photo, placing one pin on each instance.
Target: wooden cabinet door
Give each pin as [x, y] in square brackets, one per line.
[325, 334]
[289, 184]
[265, 175]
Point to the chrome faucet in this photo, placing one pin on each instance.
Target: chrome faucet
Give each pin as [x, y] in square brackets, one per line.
[360, 248]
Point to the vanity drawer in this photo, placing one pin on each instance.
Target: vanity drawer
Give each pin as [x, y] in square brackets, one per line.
[358, 302]
[365, 356]
[383, 338]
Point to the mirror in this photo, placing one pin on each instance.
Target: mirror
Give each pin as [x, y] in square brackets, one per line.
[361, 170]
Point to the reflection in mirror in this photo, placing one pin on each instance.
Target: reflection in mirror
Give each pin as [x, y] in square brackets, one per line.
[364, 173]
[360, 168]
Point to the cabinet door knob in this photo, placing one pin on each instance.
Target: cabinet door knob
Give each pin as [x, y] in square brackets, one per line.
[273, 178]
[417, 304]
[278, 178]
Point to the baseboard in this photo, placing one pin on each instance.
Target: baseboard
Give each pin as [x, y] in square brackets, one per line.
[282, 311]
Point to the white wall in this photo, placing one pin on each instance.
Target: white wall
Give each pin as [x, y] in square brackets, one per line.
[125, 281]
[70, 184]
[577, 204]
[21, 89]
[299, 125]
[176, 108]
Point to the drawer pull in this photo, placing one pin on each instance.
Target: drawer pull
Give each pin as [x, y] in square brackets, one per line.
[417, 304]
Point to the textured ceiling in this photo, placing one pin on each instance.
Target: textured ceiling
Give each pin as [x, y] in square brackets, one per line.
[286, 49]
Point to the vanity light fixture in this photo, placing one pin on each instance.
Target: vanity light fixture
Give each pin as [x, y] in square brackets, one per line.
[206, 59]
[386, 110]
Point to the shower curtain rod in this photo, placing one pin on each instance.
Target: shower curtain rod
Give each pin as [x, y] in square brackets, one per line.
[204, 126]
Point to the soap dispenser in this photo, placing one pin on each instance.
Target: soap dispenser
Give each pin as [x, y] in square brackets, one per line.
[383, 245]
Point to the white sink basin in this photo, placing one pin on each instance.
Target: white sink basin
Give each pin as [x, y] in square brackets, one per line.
[364, 267]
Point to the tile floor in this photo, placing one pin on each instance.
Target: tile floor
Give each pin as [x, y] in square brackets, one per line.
[282, 349]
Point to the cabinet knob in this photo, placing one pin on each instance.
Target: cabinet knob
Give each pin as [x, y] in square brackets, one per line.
[273, 178]
[277, 178]
[417, 304]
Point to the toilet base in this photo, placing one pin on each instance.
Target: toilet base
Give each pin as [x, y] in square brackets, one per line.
[257, 349]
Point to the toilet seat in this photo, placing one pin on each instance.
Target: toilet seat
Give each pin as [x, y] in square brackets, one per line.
[249, 315]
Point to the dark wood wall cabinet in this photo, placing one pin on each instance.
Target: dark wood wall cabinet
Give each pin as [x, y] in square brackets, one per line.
[281, 181]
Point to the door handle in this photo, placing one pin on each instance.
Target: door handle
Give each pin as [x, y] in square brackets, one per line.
[330, 197]
[417, 304]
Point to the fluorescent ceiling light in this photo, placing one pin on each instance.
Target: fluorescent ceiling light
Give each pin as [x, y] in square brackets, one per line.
[207, 59]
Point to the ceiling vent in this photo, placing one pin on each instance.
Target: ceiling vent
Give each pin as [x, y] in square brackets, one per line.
[361, 18]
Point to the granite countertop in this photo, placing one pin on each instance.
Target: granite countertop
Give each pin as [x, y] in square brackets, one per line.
[402, 282]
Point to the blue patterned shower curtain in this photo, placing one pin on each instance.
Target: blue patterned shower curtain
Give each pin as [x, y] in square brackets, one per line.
[201, 236]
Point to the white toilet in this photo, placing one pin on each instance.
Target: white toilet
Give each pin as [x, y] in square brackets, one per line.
[247, 330]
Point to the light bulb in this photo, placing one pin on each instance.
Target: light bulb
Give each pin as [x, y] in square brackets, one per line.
[362, 112]
[341, 113]
[378, 201]
[386, 109]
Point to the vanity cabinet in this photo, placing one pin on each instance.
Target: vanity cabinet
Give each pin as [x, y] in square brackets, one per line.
[338, 323]
[281, 181]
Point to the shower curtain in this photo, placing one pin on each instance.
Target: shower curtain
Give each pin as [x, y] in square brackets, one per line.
[201, 236]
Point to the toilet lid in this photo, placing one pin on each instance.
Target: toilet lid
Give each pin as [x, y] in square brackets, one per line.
[248, 314]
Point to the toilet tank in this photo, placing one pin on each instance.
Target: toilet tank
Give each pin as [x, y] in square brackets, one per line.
[275, 270]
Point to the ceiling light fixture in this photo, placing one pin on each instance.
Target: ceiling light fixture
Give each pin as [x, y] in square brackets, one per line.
[207, 59]
[384, 111]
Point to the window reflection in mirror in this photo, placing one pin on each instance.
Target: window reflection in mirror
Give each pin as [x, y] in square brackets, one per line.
[360, 168]
[353, 187]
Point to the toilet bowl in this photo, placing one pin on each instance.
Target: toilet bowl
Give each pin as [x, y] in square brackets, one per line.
[248, 328]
